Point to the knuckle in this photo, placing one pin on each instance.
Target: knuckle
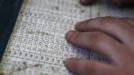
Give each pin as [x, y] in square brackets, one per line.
[106, 21]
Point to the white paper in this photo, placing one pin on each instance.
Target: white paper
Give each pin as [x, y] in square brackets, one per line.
[37, 45]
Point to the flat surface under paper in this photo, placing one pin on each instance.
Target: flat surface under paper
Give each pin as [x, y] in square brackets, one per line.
[37, 45]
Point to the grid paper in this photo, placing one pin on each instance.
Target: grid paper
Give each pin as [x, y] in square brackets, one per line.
[37, 45]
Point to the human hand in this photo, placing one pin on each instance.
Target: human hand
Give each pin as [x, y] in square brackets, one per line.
[118, 3]
[111, 37]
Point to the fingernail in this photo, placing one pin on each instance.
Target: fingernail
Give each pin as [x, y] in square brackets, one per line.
[79, 23]
[67, 62]
[69, 35]
[71, 64]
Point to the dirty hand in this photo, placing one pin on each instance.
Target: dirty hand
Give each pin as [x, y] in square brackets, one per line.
[111, 37]
[115, 2]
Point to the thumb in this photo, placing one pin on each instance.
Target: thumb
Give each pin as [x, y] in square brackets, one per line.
[87, 2]
[88, 67]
